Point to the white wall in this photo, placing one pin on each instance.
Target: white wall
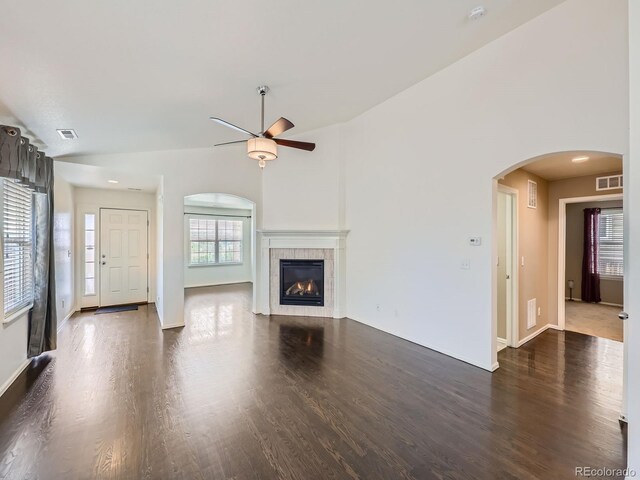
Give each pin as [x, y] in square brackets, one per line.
[184, 172]
[305, 190]
[13, 349]
[557, 83]
[64, 247]
[632, 266]
[90, 200]
[200, 276]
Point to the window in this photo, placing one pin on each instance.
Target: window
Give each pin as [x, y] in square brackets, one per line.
[214, 241]
[89, 253]
[17, 247]
[610, 243]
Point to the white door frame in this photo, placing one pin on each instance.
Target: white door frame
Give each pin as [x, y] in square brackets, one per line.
[98, 232]
[562, 244]
[512, 294]
[84, 301]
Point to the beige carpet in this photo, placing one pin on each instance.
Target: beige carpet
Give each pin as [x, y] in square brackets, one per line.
[594, 319]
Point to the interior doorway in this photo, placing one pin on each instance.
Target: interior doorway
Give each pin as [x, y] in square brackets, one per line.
[597, 314]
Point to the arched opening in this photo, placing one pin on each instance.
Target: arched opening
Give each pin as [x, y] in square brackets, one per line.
[219, 250]
[558, 250]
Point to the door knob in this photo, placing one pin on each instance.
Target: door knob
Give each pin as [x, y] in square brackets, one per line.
[623, 315]
[104, 263]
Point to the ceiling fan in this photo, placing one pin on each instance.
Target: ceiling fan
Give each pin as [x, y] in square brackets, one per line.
[264, 146]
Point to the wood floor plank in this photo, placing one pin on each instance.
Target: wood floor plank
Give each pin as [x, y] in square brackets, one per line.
[239, 396]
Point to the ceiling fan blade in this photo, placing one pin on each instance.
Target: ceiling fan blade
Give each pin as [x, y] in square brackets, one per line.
[294, 144]
[229, 143]
[231, 125]
[279, 126]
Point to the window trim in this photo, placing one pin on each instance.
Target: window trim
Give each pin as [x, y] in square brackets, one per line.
[13, 316]
[187, 229]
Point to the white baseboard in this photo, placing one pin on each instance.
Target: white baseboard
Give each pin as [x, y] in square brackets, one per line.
[555, 327]
[495, 366]
[175, 325]
[599, 303]
[501, 343]
[534, 334]
[217, 284]
[5, 386]
[64, 320]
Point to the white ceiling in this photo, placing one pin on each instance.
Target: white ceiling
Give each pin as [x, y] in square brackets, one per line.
[136, 76]
[220, 200]
[558, 166]
[91, 176]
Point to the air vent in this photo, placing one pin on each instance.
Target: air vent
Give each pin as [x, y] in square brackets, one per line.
[134, 189]
[532, 194]
[67, 133]
[612, 182]
[531, 313]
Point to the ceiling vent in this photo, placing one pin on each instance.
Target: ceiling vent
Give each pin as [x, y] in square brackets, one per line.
[134, 189]
[67, 133]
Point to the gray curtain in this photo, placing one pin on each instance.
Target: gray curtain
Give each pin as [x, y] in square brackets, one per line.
[23, 163]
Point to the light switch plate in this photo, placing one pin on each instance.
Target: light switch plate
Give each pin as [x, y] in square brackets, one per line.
[475, 241]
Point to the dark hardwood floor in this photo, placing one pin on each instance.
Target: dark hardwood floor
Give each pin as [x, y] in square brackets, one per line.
[238, 396]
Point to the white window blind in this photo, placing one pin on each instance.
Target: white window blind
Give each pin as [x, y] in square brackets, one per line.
[17, 247]
[610, 243]
[213, 241]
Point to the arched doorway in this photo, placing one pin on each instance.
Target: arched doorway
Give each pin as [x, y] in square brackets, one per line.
[537, 270]
[219, 241]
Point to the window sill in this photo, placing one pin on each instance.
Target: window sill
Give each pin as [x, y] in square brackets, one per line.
[14, 316]
[197, 265]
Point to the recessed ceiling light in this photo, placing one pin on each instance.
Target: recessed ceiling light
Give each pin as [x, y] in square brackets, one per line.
[580, 159]
[477, 12]
[113, 181]
[67, 133]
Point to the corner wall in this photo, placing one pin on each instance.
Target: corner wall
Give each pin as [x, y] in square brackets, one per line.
[420, 168]
[64, 248]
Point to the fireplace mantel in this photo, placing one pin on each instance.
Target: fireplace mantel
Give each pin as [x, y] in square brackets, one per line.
[334, 240]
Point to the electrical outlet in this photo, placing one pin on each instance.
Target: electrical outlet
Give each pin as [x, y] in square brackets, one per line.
[539, 311]
[378, 308]
[465, 264]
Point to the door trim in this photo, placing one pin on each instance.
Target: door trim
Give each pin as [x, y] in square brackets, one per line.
[513, 293]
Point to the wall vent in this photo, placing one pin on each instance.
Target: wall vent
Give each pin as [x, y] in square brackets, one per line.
[532, 194]
[531, 313]
[612, 182]
[67, 133]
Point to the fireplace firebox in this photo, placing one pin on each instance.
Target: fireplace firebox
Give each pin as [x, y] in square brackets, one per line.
[302, 282]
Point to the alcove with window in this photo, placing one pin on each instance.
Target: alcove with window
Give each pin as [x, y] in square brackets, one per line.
[217, 240]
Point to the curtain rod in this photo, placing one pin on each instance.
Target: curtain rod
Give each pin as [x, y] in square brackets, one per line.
[217, 215]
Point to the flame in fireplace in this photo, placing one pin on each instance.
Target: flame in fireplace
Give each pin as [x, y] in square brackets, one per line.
[303, 288]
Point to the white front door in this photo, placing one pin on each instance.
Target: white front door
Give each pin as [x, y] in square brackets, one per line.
[123, 256]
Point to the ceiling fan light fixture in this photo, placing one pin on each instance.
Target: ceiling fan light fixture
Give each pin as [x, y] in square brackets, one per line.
[262, 149]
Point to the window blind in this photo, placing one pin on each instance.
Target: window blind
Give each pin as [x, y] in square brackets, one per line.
[610, 243]
[17, 247]
[214, 241]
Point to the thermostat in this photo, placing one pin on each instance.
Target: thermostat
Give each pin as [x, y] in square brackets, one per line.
[475, 241]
